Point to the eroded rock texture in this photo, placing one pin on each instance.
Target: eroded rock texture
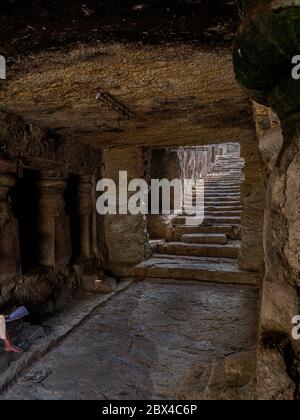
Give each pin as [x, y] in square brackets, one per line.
[106, 73]
[267, 40]
[156, 341]
[91, 88]
[125, 234]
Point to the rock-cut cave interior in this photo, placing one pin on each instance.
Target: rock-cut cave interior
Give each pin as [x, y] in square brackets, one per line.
[166, 302]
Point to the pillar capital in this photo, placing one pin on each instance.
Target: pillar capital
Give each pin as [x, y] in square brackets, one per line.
[7, 177]
[52, 186]
[85, 189]
[7, 181]
[52, 182]
[267, 41]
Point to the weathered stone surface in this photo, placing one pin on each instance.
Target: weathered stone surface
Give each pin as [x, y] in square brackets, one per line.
[234, 378]
[54, 230]
[215, 270]
[97, 284]
[269, 35]
[126, 236]
[232, 231]
[44, 26]
[253, 202]
[43, 290]
[57, 327]
[269, 135]
[162, 339]
[230, 250]
[160, 227]
[43, 149]
[208, 238]
[274, 382]
[281, 298]
[156, 79]
[158, 95]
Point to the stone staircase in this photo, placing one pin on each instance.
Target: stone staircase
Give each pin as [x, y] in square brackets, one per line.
[208, 251]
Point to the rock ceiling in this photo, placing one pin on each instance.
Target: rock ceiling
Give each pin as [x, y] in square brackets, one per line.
[125, 72]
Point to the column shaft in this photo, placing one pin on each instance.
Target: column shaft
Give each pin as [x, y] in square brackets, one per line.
[53, 223]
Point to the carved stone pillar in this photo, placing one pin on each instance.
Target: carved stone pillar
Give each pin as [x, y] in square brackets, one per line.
[9, 235]
[266, 43]
[53, 223]
[85, 210]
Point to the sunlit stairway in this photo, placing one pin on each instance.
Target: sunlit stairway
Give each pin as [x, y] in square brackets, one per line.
[208, 251]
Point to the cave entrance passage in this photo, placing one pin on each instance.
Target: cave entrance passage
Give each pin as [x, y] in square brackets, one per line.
[210, 250]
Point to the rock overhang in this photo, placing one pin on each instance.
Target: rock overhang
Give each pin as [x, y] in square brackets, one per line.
[156, 73]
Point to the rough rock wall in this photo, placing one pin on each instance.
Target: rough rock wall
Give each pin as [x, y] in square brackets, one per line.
[253, 201]
[42, 149]
[266, 42]
[195, 162]
[278, 354]
[281, 288]
[164, 165]
[126, 236]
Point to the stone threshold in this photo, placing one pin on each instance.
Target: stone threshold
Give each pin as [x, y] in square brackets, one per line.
[57, 328]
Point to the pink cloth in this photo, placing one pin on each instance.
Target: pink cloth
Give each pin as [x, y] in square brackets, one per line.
[2, 328]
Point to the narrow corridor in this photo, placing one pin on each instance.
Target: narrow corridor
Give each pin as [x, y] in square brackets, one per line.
[209, 251]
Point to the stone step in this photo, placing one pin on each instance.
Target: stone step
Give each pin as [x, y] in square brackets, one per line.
[225, 199]
[183, 270]
[223, 194]
[208, 220]
[225, 168]
[213, 203]
[208, 260]
[229, 162]
[234, 155]
[224, 213]
[214, 213]
[228, 166]
[205, 238]
[182, 220]
[223, 208]
[218, 188]
[213, 195]
[210, 191]
[230, 250]
[191, 206]
[223, 172]
[211, 220]
[225, 163]
[222, 203]
[229, 177]
[218, 184]
[232, 231]
[225, 157]
[224, 178]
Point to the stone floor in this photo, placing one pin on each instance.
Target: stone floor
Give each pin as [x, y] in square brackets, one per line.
[154, 340]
